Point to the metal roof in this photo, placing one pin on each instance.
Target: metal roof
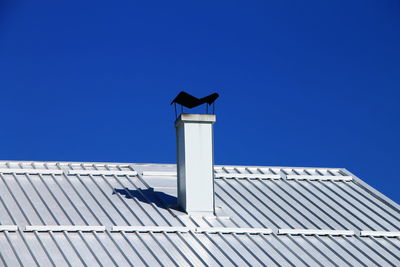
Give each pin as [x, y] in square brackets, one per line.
[61, 213]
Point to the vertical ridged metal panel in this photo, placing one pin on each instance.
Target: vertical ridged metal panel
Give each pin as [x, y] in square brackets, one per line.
[110, 194]
[185, 249]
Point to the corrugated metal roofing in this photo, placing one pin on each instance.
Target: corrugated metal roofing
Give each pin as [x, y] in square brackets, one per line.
[153, 249]
[59, 213]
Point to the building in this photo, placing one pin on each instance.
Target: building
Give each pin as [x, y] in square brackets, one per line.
[112, 214]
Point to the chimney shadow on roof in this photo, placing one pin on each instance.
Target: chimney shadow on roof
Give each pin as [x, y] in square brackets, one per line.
[160, 199]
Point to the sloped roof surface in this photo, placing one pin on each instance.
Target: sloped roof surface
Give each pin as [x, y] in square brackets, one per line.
[119, 214]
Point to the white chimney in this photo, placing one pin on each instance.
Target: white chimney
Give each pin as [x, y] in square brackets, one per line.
[195, 162]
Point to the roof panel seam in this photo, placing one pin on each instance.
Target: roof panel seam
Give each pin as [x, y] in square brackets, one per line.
[282, 175]
[183, 229]
[315, 232]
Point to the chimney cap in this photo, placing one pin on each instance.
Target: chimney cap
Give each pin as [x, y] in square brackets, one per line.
[198, 118]
[189, 101]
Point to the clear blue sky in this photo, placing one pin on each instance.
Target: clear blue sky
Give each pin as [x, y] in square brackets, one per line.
[302, 83]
